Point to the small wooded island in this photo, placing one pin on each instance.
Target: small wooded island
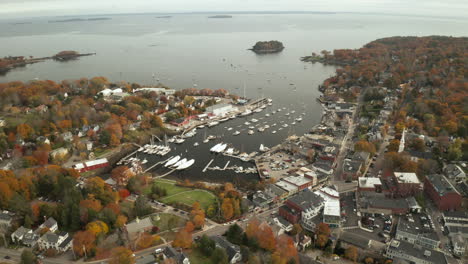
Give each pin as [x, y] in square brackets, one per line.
[272, 46]
[220, 16]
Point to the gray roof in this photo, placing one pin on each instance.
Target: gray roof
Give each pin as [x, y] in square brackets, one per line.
[5, 216]
[456, 214]
[49, 223]
[404, 247]
[453, 170]
[306, 199]
[139, 225]
[21, 231]
[50, 237]
[147, 259]
[230, 248]
[418, 224]
[355, 239]
[66, 242]
[172, 253]
[441, 184]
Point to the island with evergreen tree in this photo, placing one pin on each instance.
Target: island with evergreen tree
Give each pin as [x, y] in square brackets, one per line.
[272, 46]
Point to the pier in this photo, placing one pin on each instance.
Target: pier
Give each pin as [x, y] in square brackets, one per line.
[207, 165]
[156, 164]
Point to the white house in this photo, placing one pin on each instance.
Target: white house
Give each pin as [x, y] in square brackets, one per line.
[60, 241]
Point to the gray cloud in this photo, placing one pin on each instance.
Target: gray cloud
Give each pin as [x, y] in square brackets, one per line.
[23, 8]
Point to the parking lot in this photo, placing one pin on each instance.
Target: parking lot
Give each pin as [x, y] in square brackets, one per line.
[279, 164]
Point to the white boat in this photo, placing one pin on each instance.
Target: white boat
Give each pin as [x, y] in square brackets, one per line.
[141, 149]
[247, 123]
[221, 148]
[293, 123]
[267, 126]
[254, 120]
[206, 140]
[274, 124]
[185, 165]
[195, 144]
[172, 161]
[212, 124]
[293, 111]
[273, 132]
[267, 115]
[251, 127]
[215, 147]
[299, 119]
[279, 110]
[250, 132]
[230, 151]
[179, 141]
[286, 114]
[171, 140]
[229, 129]
[246, 113]
[210, 137]
[263, 148]
[285, 125]
[178, 163]
[164, 152]
[224, 119]
[236, 133]
[261, 129]
[258, 110]
[280, 129]
[201, 126]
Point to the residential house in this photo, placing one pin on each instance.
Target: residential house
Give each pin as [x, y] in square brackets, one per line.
[454, 172]
[402, 250]
[50, 224]
[178, 257]
[138, 226]
[60, 241]
[442, 192]
[283, 223]
[233, 251]
[18, 235]
[302, 242]
[6, 218]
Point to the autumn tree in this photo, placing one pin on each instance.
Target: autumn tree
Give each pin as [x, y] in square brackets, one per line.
[351, 253]
[285, 250]
[97, 228]
[121, 255]
[365, 146]
[183, 239]
[197, 215]
[121, 221]
[146, 240]
[323, 232]
[83, 240]
[227, 209]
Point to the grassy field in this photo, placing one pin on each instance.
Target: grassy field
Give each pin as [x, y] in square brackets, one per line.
[196, 257]
[203, 197]
[185, 195]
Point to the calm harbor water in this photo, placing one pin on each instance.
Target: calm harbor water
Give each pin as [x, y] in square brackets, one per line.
[212, 53]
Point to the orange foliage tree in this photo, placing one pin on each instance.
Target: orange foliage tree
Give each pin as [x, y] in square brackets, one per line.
[83, 240]
[183, 239]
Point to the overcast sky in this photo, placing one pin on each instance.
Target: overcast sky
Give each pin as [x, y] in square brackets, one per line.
[26, 8]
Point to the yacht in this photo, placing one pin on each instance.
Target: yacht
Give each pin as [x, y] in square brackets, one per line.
[299, 119]
[254, 120]
[247, 123]
[179, 141]
[201, 126]
[251, 127]
[229, 129]
[172, 161]
[144, 161]
[212, 124]
[171, 140]
[287, 114]
[185, 165]
[251, 132]
[258, 110]
[261, 129]
[267, 115]
[293, 123]
[236, 133]
[285, 125]
[267, 126]
[210, 137]
[206, 140]
[273, 132]
[195, 144]
[246, 113]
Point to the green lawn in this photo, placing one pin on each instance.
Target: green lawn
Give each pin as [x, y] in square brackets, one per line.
[170, 187]
[166, 220]
[203, 197]
[196, 257]
[184, 195]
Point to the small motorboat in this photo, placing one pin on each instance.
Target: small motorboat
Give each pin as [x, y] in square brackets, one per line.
[236, 133]
[251, 132]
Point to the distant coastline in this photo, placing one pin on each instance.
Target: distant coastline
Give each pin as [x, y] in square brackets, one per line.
[220, 16]
[79, 20]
